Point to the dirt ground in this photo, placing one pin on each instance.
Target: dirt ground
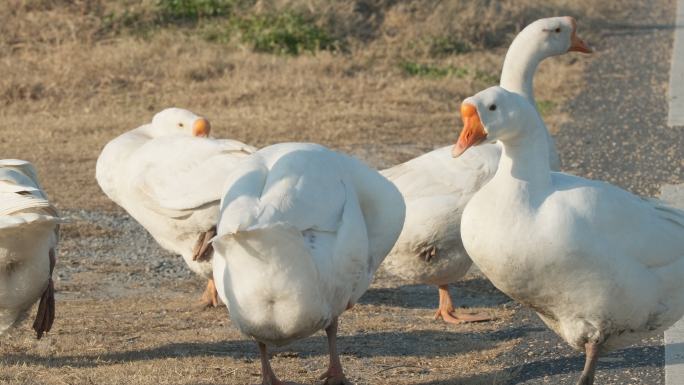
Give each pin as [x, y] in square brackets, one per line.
[127, 314]
[126, 309]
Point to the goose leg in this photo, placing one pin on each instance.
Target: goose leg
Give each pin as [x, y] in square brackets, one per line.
[203, 249]
[267, 375]
[447, 312]
[591, 350]
[46, 307]
[334, 375]
[210, 296]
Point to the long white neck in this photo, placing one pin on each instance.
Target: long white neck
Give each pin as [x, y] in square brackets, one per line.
[517, 75]
[520, 65]
[524, 163]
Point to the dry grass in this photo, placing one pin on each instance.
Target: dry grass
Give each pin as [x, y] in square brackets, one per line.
[73, 78]
[71, 81]
[159, 339]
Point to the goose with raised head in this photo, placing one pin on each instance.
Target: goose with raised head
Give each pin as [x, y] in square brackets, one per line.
[29, 232]
[302, 231]
[429, 249]
[602, 267]
[168, 175]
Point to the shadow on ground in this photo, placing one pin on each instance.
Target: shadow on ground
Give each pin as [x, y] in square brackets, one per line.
[422, 343]
[634, 357]
[474, 292]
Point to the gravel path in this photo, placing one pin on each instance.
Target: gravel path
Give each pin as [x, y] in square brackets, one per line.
[93, 255]
[618, 132]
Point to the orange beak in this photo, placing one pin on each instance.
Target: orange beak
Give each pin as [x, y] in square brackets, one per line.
[201, 128]
[577, 44]
[473, 132]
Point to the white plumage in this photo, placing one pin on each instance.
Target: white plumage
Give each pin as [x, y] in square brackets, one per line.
[437, 187]
[601, 266]
[171, 182]
[302, 231]
[29, 230]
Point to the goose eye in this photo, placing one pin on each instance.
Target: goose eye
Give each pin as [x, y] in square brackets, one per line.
[492, 107]
[180, 125]
[558, 30]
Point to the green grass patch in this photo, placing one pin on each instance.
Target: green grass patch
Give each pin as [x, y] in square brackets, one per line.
[432, 71]
[545, 107]
[487, 78]
[287, 32]
[438, 72]
[195, 9]
[441, 46]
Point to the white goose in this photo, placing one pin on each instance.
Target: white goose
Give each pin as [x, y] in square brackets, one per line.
[302, 231]
[602, 267]
[429, 249]
[169, 176]
[29, 231]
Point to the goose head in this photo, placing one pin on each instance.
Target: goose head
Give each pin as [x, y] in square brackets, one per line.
[553, 36]
[541, 39]
[177, 121]
[491, 115]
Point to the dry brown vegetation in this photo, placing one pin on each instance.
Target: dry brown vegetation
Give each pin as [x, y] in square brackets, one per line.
[76, 73]
[158, 338]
